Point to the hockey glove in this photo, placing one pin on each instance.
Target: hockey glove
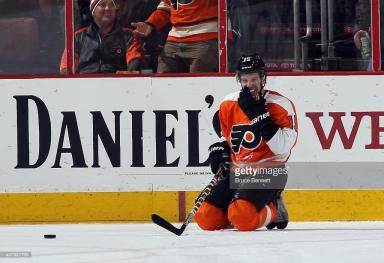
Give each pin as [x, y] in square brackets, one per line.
[257, 112]
[251, 107]
[219, 154]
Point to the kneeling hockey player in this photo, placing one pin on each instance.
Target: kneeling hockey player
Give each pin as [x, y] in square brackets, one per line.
[258, 127]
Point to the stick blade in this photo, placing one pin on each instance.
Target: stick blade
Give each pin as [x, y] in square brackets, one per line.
[158, 220]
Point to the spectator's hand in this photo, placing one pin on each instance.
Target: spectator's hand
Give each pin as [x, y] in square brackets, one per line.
[357, 37]
[142, 29]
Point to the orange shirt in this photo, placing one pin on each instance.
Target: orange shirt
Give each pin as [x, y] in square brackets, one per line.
[192, 21]
[246, 143]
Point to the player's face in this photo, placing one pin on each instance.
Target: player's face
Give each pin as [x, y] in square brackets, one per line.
[105, 12]
[253, 82]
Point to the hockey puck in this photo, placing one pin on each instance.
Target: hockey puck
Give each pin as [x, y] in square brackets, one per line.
[49, 236]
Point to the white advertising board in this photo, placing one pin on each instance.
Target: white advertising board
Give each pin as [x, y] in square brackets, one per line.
[144, 134]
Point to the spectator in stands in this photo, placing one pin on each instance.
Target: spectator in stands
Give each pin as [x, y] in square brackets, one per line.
[192, 42]
[126, 10]
[363, 22]
[104, 46]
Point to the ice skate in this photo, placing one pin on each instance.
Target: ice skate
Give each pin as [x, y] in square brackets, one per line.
[282, 215]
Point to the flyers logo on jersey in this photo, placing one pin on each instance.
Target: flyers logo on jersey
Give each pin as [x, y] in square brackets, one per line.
[246, 136]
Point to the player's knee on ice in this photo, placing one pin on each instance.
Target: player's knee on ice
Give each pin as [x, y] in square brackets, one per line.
[244, 216]
[210, 217]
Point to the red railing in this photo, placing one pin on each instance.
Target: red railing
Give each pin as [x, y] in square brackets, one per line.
[375, 35]
[69, 36]
[223, 36]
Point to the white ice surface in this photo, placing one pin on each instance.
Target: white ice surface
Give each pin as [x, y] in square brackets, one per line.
[360, 242]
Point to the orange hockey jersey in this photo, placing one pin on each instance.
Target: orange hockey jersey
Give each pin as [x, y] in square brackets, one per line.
[192, 20]
[247, 145]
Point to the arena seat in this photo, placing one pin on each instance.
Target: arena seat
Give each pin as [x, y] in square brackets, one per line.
[19, 44]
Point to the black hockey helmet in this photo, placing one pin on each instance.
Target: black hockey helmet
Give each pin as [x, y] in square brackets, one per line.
[251, 64]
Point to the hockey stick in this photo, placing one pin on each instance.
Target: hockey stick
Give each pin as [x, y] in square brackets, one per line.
[203, 195]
